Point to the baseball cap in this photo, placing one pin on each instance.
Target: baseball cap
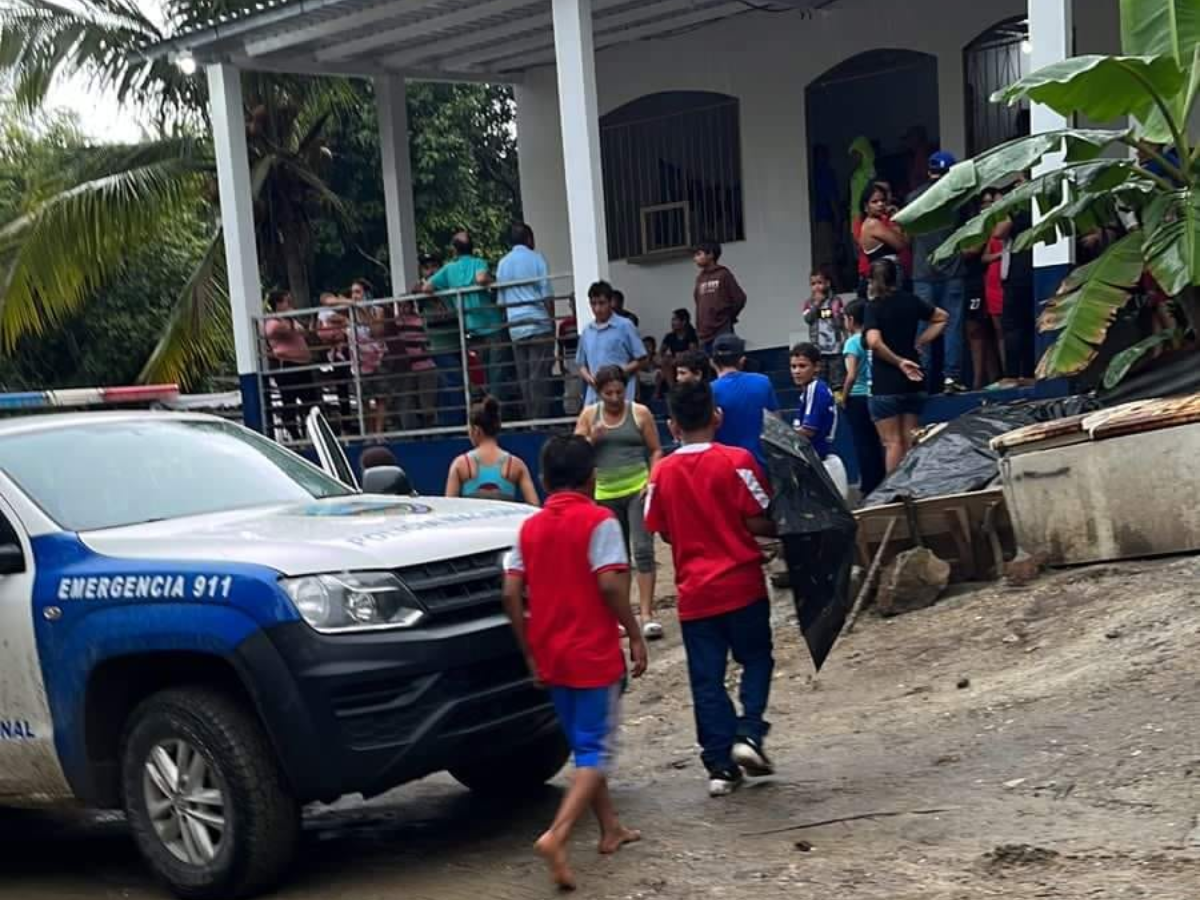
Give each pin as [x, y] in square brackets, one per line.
[728, 345]
[941, 161]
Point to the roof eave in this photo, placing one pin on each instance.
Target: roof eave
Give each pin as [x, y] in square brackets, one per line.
[202, 43]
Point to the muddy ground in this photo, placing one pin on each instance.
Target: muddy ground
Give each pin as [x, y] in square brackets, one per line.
[1068, 768]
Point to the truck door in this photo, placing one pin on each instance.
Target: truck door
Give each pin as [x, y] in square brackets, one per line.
[29, 768]
[329, 451]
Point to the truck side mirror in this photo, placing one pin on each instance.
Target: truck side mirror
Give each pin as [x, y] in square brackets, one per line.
[386, 480]
[12, 560]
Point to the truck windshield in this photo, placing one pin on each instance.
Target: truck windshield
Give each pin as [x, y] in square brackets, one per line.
[108, 474]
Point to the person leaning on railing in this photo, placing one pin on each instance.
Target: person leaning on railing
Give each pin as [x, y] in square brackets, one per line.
[287, 348]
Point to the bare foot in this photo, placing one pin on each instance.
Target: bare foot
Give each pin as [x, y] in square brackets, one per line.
[612, 841]
[550, 848]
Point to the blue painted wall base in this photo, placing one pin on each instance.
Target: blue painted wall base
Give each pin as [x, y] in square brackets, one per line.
[252, 415]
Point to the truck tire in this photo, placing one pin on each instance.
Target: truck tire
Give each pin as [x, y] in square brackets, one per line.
[518, 770]
[205, 796]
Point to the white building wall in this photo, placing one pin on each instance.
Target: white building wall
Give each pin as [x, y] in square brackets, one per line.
[766, 61]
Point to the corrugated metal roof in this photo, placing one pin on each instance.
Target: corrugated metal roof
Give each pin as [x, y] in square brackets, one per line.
[1128, 418]
[474, 39]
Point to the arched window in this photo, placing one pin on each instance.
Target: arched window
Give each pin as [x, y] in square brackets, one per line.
[993, 61]
[672, 173]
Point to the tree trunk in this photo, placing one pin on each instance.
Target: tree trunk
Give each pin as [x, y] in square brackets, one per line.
[297, 273]
[295, 255]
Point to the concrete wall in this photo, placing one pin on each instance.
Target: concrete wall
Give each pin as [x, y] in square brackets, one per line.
[766, 61]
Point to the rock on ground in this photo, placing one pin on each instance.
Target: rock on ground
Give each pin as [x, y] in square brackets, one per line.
[913, 580]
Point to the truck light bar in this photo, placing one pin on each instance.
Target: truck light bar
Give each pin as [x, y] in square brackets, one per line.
[77, 397]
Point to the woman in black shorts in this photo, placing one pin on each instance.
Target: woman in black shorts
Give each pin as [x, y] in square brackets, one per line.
[897, 382]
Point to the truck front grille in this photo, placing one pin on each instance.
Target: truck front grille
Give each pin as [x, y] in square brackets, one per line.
[466, 587]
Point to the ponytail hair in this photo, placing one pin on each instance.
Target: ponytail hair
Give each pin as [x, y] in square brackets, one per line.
[485, 415]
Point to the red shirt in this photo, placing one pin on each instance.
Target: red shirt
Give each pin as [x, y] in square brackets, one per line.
[573, 636]
[699, 499]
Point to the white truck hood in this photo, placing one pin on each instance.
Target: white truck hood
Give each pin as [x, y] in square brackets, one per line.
[339, 533]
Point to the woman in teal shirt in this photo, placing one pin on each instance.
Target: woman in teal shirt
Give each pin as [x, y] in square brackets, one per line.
[856, 397]
[489, 472]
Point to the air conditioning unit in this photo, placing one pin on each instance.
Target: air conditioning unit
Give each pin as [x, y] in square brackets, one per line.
[666, 228]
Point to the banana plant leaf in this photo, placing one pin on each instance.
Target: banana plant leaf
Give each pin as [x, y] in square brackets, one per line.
[1172, 250]
[1087, 303]
[935, 208]
[1090, 178]
[1119, 365]
[1153, 27]
[1103, 88]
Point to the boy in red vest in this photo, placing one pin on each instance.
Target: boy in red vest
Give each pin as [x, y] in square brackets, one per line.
[708, 502]
[566, 592]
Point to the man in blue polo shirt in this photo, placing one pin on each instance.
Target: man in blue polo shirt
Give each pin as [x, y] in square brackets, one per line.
[609, 340]
[742, 397]
[530, 309]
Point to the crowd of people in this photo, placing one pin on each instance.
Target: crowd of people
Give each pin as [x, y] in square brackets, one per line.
[916, 327]
[987, 294]
[404, 357]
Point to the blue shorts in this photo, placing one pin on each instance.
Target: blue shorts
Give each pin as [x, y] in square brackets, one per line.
[589, 719]
[891, 405]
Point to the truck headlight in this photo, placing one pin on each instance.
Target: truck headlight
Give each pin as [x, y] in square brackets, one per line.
[353, 601]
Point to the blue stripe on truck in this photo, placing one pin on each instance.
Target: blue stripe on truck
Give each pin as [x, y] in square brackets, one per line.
[112, 608]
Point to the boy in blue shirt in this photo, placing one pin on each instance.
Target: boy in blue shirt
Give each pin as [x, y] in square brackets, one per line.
[743, 397]
[816, 417]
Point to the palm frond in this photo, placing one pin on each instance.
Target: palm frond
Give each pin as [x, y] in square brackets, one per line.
[100, 39]
[72, 243]
[199, 335]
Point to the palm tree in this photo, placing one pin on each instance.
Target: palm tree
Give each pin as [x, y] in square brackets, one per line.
[58, 252]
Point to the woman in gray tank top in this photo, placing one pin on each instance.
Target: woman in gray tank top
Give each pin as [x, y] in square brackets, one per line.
[627, 448]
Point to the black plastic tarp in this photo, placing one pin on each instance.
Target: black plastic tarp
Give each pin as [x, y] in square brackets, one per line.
[817, 531]
[958, 459]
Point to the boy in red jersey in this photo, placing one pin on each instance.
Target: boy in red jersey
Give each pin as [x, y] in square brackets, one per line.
[566, 591]
[708, 502]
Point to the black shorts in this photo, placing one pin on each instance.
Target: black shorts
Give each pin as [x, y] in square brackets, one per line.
[976, 307]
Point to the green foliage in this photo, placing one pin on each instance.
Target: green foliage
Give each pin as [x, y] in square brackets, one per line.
[1103, 88]
[1120, 365]
[1156, 83]
[107, 342]
[70, 221]
[1086, 305]
[464, 154]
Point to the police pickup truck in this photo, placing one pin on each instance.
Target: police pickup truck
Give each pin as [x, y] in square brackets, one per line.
[205, 630]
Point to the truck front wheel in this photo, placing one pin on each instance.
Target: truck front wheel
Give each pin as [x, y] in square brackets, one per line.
[518, 770]
[205, 796]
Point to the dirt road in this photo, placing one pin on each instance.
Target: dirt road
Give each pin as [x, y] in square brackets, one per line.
[1067, 768]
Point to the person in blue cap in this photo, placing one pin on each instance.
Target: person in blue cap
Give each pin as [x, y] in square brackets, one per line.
[943, 287]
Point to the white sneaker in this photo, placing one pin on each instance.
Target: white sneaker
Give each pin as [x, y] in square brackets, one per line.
[725, 782]
[652, 631]
[749, 754]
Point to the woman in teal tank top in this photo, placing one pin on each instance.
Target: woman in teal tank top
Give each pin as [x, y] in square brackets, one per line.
[627, 448]
[489, 472]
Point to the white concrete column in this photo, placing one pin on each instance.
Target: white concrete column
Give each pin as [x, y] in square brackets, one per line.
[391, 99]
[237, 223]
[576, 60]
[1050, 33]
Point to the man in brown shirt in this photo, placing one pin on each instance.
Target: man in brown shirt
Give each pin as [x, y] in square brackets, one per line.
[719, 298]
